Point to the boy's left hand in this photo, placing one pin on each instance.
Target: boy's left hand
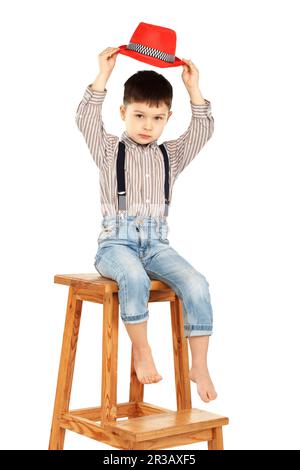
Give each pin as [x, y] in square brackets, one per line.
[190, 75]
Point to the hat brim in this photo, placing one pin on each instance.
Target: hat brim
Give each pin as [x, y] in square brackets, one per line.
[148, 59]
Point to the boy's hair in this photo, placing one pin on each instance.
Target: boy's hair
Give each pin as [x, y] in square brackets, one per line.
[148, 86]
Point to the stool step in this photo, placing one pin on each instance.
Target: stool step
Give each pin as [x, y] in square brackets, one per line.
[167, 429]
[152, 431]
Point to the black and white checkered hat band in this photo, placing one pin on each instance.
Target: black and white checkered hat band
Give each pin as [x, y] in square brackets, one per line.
[151, 52]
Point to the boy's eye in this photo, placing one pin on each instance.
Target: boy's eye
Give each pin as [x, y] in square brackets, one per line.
[157, 117]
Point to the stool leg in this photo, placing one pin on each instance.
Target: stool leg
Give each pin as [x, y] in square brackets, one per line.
[136, 391]
[217, 441]
[66, 369]
[109, 357]
[181, 357]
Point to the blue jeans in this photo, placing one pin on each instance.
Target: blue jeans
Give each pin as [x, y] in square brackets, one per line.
[132, 250]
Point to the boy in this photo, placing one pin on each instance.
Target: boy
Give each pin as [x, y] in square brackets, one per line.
[134, 248]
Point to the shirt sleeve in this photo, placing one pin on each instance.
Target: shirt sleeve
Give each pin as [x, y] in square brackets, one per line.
[89, 122]
[183, 150]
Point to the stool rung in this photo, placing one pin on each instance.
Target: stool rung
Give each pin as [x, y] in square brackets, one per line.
[127, 409]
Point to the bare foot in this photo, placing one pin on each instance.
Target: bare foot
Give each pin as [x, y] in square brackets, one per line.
[205, 387]
[144, 366]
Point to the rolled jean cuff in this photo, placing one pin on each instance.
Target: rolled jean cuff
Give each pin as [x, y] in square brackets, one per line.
[132, 319]
[197, 330]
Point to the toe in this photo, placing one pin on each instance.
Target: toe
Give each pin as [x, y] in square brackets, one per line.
[212, 395]
[204, 396]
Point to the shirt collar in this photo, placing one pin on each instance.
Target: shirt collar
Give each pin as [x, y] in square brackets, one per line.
[131, 143]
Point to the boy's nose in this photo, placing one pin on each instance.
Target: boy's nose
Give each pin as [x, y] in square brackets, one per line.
[148, 126]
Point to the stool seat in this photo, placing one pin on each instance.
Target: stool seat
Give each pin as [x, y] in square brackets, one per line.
[147, 426]
[97, 281]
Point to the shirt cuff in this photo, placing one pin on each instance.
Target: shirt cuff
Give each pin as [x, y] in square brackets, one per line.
[93, 96]
[201, 110]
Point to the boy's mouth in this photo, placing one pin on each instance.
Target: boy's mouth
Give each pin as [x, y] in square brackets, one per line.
[144, 136]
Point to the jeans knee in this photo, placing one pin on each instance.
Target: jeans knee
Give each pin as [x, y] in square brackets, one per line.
[197, 287]
[137, 283]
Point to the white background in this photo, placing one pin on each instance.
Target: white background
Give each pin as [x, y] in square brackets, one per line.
[234, 211]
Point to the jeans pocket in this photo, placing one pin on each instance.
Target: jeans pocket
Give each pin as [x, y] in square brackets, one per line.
[108, 231]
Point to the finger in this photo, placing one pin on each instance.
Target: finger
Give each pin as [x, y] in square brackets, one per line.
[112, 53]
[105, 51]
[109, 53]
[187, 63]
[192, 64]
[109, 50]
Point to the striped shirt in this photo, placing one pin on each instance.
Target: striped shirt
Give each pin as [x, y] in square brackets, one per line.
[144, 163]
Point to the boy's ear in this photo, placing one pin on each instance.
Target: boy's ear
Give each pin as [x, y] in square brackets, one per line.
[122, 111]
[169, 115]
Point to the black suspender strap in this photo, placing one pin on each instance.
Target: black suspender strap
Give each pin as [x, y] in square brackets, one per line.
[166, 162]
[121, 177]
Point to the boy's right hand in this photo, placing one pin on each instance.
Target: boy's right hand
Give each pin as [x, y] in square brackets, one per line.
[107, 60]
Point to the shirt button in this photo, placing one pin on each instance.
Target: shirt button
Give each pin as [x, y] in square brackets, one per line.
[147, 200]
[147, 175]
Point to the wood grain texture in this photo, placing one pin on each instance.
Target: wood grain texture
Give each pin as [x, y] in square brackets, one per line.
[181, 358]
[66, 368]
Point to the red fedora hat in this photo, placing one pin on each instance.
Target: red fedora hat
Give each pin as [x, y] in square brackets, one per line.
[154, 45]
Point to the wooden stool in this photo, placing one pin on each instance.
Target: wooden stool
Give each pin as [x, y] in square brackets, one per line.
[148, 426]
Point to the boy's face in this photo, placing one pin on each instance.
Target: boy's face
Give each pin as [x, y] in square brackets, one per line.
[145, 124]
